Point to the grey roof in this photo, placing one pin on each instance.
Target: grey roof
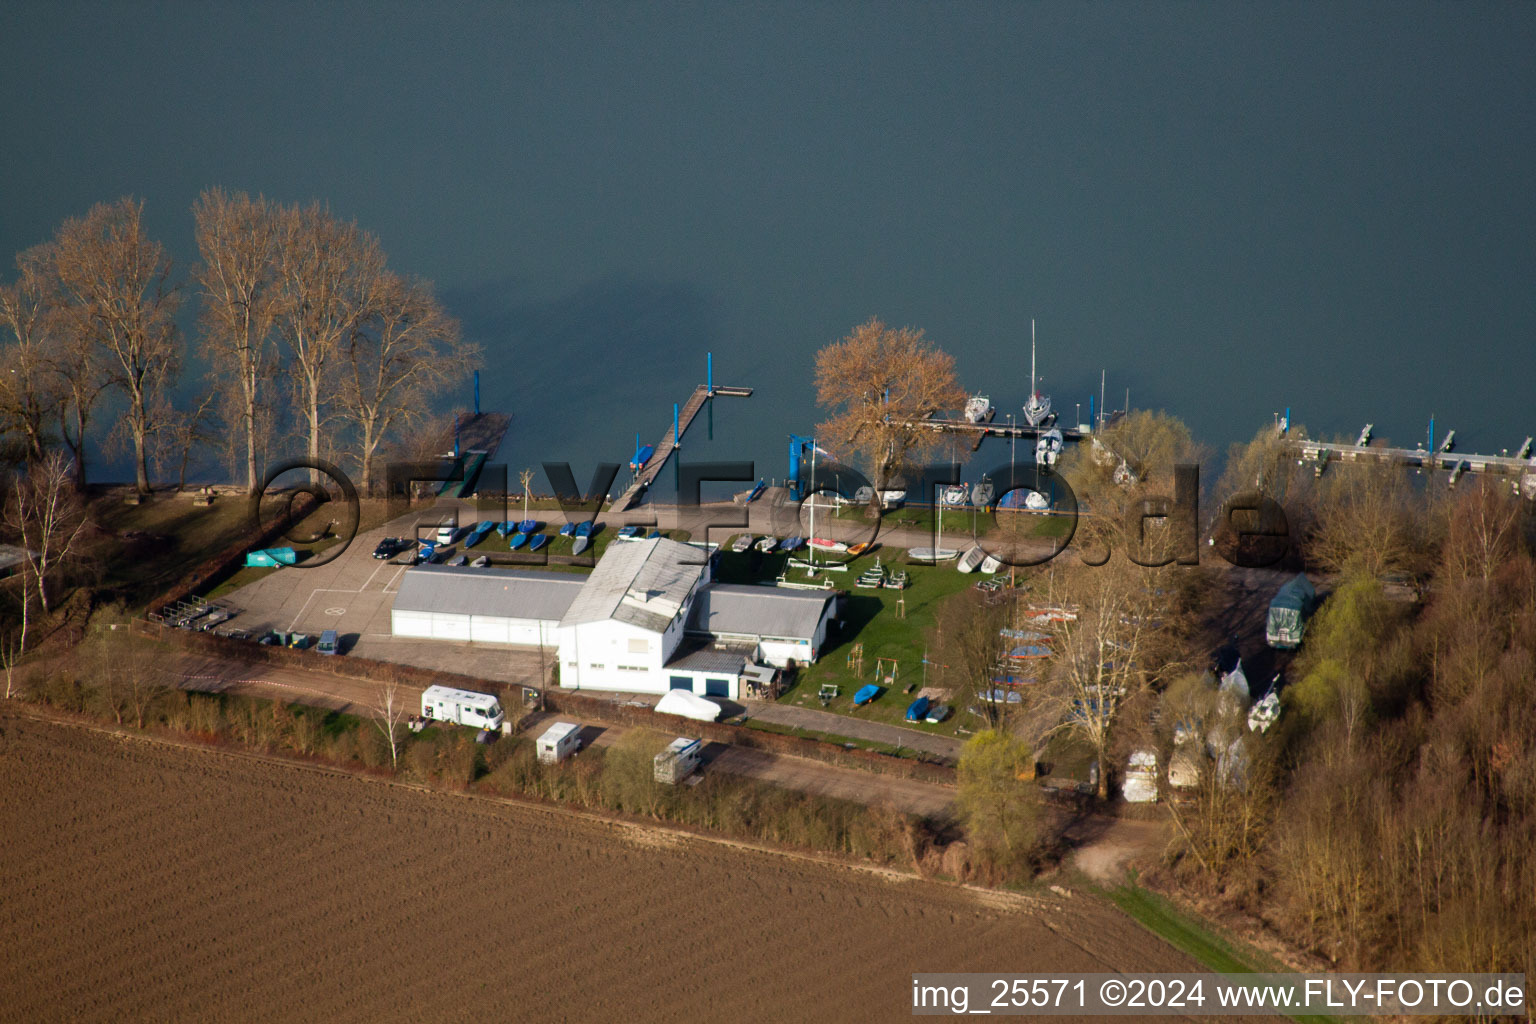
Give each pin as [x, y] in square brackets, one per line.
[512, 593]
[642, 583]
[758, 611]
[703, 656]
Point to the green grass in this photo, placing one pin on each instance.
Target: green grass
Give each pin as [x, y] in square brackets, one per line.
[828, 737]
[872, 620]
[1193, 936]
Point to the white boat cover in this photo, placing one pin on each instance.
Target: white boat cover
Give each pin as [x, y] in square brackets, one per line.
[688, 705]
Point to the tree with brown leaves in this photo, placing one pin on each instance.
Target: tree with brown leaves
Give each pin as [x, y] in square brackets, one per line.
[880, 384]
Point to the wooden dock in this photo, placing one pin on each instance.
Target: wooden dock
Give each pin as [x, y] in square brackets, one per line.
[669, 441]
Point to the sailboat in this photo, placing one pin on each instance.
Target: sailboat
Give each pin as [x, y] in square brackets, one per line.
[1037, 411]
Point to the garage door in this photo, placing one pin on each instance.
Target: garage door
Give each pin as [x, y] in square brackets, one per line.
[717, 687]
[450, 627]
[488, 629]
[404, 623]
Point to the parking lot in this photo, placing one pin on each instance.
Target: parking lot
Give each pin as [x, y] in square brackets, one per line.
[352, 594]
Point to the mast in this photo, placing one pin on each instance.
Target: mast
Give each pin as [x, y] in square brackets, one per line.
[1031, 357]
[809, 545]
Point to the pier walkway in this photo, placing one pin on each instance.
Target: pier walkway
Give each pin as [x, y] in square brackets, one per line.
[669, 441]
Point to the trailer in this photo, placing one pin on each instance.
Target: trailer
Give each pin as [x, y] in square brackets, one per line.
[1288, 613]
[558, 742]
[678, 761]
[461, 707]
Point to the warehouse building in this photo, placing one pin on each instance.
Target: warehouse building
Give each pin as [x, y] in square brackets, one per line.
[646, 620]
[498, 606]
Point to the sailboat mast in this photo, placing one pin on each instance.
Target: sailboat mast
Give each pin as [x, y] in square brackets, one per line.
[1031, 357]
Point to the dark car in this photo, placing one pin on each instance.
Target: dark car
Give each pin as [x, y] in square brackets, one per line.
[389, 547]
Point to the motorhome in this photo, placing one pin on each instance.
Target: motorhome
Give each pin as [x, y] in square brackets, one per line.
[679, 760]
[461, 707]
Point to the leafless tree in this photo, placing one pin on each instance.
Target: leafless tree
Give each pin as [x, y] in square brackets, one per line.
[404, 354]
[45, 510]
[30, 397]
[118, 292]
[880, 383]
[389, 711]
[1366, 522]
[1122, 635]
[967, 643]
[239, 240]
[329, 274]
[179, 431]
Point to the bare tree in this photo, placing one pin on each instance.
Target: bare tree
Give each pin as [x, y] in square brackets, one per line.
[238, 238]
[1123, 623]
[389, 711]
[880, 383]
[403, 355]
[29, 390]
[45, 510]
[968, 645]
[329, 276]
[1365, 523]
[118, 292]
[178, 432]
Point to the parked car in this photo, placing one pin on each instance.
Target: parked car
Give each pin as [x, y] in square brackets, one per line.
[389, 547]
[328, 643]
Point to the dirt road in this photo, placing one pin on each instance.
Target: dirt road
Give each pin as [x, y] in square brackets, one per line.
[214, 675]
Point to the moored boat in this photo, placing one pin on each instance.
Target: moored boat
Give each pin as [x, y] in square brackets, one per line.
[976, 408]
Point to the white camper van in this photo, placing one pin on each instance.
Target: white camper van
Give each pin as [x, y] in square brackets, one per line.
[461, 707]
[678, 761]
[559, 741]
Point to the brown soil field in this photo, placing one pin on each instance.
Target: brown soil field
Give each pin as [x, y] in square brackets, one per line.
[147, 881]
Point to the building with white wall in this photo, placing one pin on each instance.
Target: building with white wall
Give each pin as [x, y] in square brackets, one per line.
[647, 619]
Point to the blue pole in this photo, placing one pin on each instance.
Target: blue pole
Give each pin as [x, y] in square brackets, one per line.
[677, 441]
[1287, 420]
[709, 372]
[477, 392]
[1431, 432]
[1094, 424]
[455, 435]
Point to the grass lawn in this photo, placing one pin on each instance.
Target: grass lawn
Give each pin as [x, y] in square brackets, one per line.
[873, 620]
[1199, 939]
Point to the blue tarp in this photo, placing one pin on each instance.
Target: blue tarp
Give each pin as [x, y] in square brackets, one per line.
[917, 709]
[866, 694]
[271, 557]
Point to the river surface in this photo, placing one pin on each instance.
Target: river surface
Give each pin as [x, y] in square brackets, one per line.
[1229, 209]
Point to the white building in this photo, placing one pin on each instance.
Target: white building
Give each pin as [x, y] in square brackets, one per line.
[646, 620]
[786, 625]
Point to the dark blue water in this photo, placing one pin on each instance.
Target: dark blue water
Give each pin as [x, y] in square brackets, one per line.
[1231, 209]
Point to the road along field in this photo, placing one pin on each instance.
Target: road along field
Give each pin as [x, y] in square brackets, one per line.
[142, 880]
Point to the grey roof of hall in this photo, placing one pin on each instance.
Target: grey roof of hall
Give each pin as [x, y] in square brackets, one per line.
[703, 656]
[757, 611]
[643, 583]
[510, 593]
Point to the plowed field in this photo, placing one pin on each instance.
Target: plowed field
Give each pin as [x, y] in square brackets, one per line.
[140, 880]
